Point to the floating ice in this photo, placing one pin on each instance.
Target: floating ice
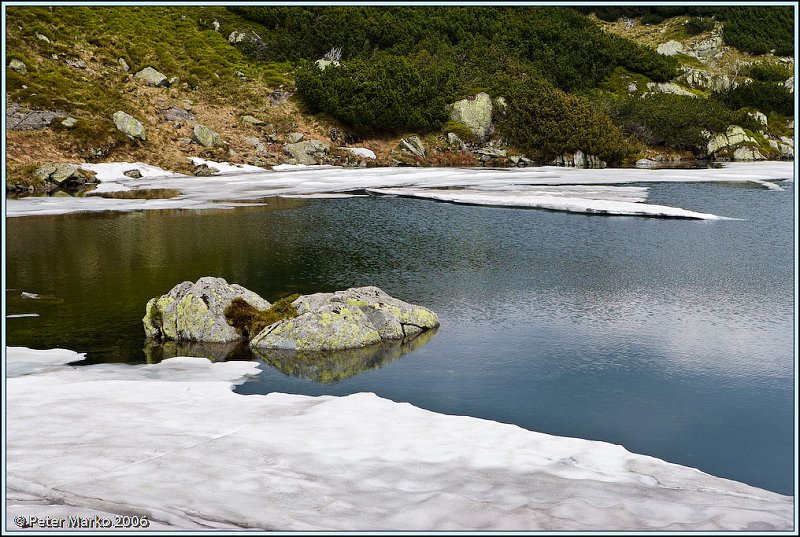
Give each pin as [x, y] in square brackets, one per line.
[172, 442]
[237, 187]
[18, 315]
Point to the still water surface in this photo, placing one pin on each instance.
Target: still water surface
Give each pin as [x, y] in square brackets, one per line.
[673, 338]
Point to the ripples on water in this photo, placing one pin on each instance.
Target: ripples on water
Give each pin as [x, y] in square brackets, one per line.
[673, 338]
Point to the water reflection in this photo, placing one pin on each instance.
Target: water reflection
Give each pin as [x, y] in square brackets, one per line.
[156, 351]
[335, 366]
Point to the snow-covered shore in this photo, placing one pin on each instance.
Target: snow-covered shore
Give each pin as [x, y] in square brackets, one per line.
[172, 442]
[589, 190]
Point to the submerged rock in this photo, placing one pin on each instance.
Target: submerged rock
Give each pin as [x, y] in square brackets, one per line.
[196, 311]
[349, 319]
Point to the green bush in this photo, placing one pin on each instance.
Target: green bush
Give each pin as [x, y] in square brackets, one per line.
[675, 121]
[546, 122]
[769, 72]
[698, 25]
[249, 320]
[763, 96]
[384, 93]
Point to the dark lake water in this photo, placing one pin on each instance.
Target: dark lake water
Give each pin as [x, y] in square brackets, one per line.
[673, 338]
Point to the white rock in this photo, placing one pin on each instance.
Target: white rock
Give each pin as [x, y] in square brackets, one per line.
[670, 48]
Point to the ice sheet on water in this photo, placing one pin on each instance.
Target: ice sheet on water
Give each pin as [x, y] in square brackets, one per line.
[174, 443]
[226, 190]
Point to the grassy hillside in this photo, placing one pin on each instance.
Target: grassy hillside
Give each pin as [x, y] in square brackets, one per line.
[565, 78]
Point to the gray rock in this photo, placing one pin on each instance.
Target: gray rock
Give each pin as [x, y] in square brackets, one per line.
[205, 136]
[323, 64]
[77, 64]
[176, 115]
[476, 113]
[129, 125]
[747, 153]
[306, 152]
[454, 141]
[133, 174]
[61, 174]
[669, 87]
[204, 170]
[670, 48]
[42, 37]
[789, 84]
[152, 77]
[69, 122]
[646, 163]
[758, 116]
[733, 136]
[18, 66]
[491, 152]
[196, 311]
[294, 137]
[414, 145]
[632, 87]
[122, 63]
[785, 150]
[349, 319]
[252, 120]
[700, 78]
[708, 49]
[23, 119]
[278, 97]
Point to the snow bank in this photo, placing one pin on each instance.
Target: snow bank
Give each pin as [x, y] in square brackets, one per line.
[235, 187]
[361, 152]
[172, 442]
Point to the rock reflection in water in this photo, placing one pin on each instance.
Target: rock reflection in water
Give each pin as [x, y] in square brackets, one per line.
[335, 366]
[156, 351]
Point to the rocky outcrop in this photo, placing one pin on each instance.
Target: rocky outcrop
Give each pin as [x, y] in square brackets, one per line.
[350, 319]
[24, 119]
[785, 147]
[18, 66]
[732, 137]
[789, 84]
[699, 78]
[476, 113]
[196, 311]
[708, 49]
[578, 160]
[669, 87]
[64, 174]
[670, 48]
[205, 136]
[152, 77]
[746, 152]
[204, 170]
[294, 137]
[413, 145]
[307, 152]
[129, 125]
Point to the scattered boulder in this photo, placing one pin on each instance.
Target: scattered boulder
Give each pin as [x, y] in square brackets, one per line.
[278, 97]
[349, 319]
[176, 115]
[258, 145]
[747, 153]
[700, 78]
[306, 152]
[18, 66]
[786, 150]
[129, 125]
[708, 49]
[133, 174]
[152, 77]
[204, 170]
[77, 63]
[64, 174]
[69, 122]
[670, 48]
[759, 116]
[669, 87]
[42, 37]
[413, 145]
[122, 63]
[205, 136]
[733, 136]
[294, 137]
[789, 84]
[196, 311]
[24, 119]
[520, 161]
[454, 141]
[476, 113]
[323, 64]
[247, 118]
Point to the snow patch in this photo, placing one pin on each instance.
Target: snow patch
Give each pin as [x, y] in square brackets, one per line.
[361, 152]
[174, 443]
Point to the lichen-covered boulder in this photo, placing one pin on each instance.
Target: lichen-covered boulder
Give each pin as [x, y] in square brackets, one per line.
[476, 113]
[129, 125]
[205, 136]
[196, 311]
[152, 77]
[306, 152]
[413, 145]
[347, 319]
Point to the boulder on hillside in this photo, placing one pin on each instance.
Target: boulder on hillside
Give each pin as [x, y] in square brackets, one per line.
[64, 174]
[670, 48]
[732, 137]
[413, 145]
[476, 113]
[205, 136]
[306, 152]
[152, 77]
[357, 317]
[196, 311]
[24, 119]
[18, 66]
[129, 125]
[669, 87]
